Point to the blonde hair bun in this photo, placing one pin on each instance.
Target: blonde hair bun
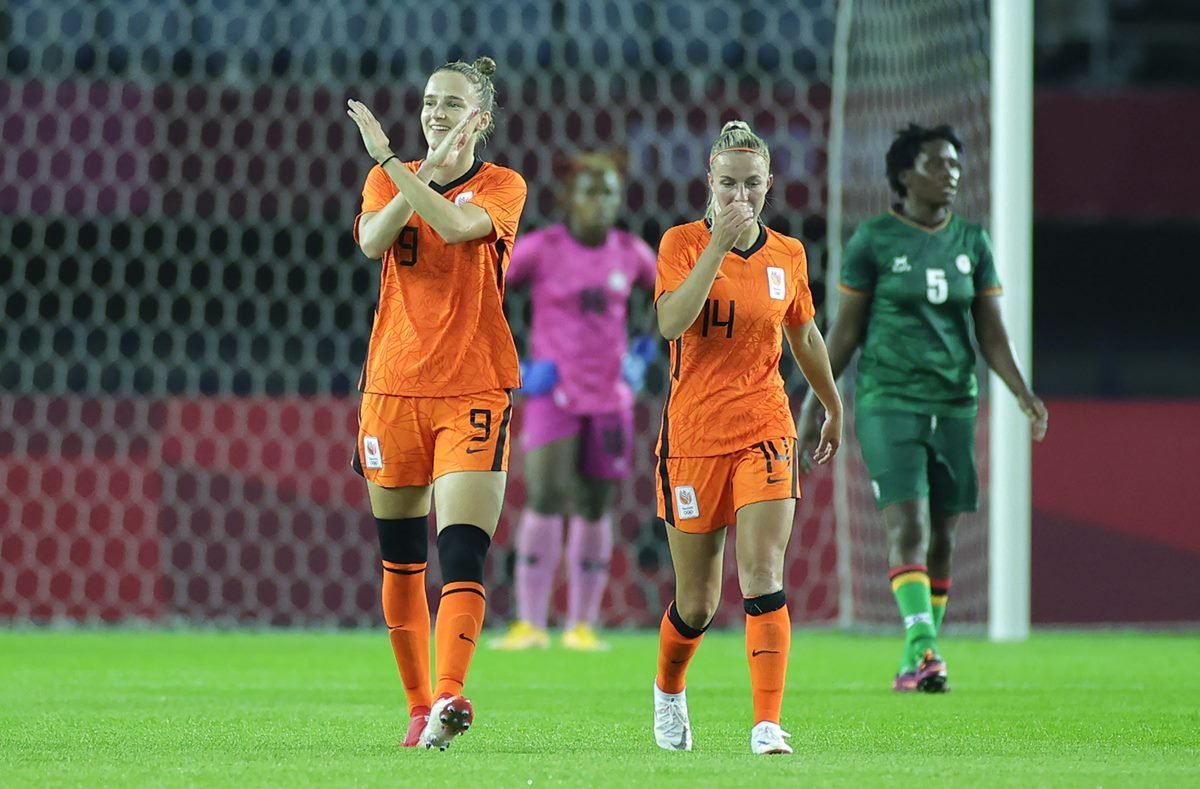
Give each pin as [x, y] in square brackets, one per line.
[485, 66]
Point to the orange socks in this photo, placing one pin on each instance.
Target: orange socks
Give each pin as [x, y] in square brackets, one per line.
[677, 643]
[768, 642]
[406, 612]
[459, 620]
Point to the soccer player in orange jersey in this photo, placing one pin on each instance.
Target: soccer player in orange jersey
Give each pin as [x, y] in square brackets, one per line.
[435, 386]
[729, 290]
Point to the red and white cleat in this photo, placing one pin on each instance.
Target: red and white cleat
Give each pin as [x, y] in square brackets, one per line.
[415, 726]
[450, 717]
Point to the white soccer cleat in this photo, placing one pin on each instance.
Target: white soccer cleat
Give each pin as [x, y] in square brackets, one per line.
[449, 717]
[672, 729]
[767, 737]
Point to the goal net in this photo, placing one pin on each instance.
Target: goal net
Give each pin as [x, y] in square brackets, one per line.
[186, 313]
[897, 63]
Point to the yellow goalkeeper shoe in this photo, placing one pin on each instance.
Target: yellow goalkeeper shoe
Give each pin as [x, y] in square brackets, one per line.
[583, 639]
[521, 635]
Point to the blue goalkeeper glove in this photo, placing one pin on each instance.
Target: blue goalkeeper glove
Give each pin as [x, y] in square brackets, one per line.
[538, 377]
[642, 351]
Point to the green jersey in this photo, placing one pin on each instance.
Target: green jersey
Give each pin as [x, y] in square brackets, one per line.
[918, 355]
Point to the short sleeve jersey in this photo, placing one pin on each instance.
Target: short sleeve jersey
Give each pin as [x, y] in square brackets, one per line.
[918, 353]
[580, 300]
[725, 392]
[439, 326]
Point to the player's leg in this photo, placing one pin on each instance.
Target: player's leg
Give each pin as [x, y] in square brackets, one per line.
[765, 484]
[698, 560]
[908, 528]
[589, 552]
[606, 454]
[468, 505]
[695, 503]
[551, 445]
[470, 474]
[942, 527]
[394, 454]
[953, 490]
[895, 451]
[468, 508]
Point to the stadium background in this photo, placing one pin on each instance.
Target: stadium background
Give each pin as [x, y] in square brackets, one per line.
[185, 312]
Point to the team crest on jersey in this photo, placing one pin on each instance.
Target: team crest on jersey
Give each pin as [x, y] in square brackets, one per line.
[964, 264]
[372, 455]
[900, 265]
[618, 281]
[463, 198]
[686, 505]
[776, 283]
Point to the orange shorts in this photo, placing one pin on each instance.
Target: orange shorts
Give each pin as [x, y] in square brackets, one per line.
[406, 441]
[703, 494]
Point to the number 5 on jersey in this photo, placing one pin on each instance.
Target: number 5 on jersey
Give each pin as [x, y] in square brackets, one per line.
[936, 287]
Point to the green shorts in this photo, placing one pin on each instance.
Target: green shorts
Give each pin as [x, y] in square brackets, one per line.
[913, 456]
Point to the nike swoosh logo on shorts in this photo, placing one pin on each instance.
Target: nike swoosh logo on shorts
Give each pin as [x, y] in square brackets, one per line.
[773, 480]
[473, 451]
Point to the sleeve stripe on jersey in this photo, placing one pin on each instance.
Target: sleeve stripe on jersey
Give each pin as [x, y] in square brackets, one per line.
[501, 249]
[502, 439]
[848, 289]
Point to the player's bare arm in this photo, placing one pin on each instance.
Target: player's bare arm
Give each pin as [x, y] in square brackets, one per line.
[808, 347]
[678, 309]
[454, 223]
[998, 353]
[849, 329]
[378, 230]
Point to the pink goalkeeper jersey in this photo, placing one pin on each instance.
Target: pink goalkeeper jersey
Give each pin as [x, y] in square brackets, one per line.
[580, 305]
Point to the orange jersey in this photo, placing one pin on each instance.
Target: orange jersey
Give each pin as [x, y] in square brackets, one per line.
[725, 391]
[439, 327]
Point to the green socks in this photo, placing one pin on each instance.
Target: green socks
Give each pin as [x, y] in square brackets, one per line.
[939, 595]
[910, 585]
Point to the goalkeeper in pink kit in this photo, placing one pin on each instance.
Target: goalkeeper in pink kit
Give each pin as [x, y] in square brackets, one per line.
[579, 378]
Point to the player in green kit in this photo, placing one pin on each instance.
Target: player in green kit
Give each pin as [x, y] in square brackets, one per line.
[916, 283]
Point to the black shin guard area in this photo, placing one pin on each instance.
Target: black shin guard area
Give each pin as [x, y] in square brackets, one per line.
[757, 606]
[462, 547]
[404, 540]
[685, 630]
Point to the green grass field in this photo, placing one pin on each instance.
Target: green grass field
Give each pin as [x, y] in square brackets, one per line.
[132, 708]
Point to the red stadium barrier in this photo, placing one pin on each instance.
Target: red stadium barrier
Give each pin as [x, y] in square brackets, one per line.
[243, 510]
